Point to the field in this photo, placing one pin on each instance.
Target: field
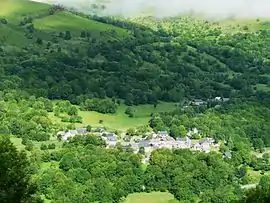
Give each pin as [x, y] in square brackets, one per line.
[120, 120]
[153, 197]
[14, 11]
[63, 21]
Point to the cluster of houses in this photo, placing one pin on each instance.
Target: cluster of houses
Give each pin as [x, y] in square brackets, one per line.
[199, 102]
[163, 140]
[64, 135]
[157, 141]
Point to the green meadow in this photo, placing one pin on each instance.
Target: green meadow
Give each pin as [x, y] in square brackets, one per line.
[63, 21]
[14, 11]
[153, 197]
[120, 120]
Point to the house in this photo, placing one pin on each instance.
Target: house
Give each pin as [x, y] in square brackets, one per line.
[126, 146]
[193, 131]
[82, 131]
[227, 155]
[182, 143]
[206, 144]
[72, 133]
[218, 98]
[144, 143]
[110, 135]
[198, 102]
[154, 142]
[101, 130]
[196, 146]
[162, 135]
[111, 140]
[135, 147]
[225, 99]
[170, 139]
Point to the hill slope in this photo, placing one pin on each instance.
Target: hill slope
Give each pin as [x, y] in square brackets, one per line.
[27, 20]
[67, 55]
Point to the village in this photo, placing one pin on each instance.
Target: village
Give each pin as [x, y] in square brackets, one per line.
[152, 141]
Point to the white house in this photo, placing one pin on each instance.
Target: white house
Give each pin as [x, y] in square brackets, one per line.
[71, 133]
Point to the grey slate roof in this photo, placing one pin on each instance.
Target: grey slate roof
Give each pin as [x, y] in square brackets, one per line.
[82, 131]
[183, 139]
[163, 133]
[144, 143]
[228, 154]
[112, 138]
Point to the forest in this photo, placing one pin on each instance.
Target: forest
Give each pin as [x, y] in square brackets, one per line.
[52, 72]
[145, 66]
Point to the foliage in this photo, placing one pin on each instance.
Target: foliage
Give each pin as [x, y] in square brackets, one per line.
[15, 185]
[233, 123]
[102, 106]
[184, 174]
[162, 63]
[261, 194]
[91, 173]
[48, 53]
[130, 112]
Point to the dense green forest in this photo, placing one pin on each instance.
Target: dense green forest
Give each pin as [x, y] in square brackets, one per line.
[143, 66]
[56, 63]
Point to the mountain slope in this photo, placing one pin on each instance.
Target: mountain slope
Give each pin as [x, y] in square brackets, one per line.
[68, 55]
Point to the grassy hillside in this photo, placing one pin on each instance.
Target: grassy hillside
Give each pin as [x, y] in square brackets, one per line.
[16, 9]
[68, 56]
[65, 20]
[45, 23]
[120, 120]
[153, 197]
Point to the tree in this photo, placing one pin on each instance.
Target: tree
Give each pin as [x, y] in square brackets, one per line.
[39, 41]
[130, 112]
[142, 150]
[15, 185]
[51, 146]
[29, 146]
[88, 128]
[175, 131]
[83, 34]
[72, 110]
[67, 35]
[43, 146]
[3, 21]
[131, 132]
[183, 131]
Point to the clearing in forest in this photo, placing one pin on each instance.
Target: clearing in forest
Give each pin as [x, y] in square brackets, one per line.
[153, 197]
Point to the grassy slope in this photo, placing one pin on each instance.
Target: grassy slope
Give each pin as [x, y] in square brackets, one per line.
[16, 10]
[121, 121]
[241, 25]
[65, 20]
[153, 197]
